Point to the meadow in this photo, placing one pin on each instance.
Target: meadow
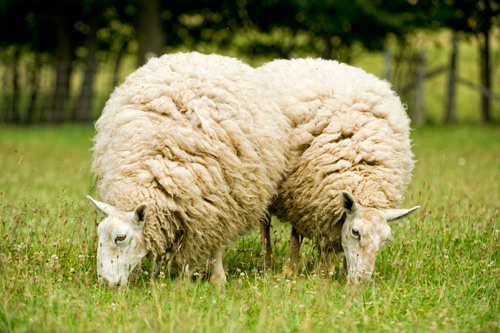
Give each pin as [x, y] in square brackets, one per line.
[440, 271]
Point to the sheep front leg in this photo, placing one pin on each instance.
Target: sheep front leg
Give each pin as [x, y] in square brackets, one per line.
[327, 260]
[294, 247]
[265, 238]
[217, 273]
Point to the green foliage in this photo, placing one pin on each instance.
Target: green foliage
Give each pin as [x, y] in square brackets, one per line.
[440, 271]
[102, 36]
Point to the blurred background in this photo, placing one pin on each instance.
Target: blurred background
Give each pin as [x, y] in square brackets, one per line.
[60, 59]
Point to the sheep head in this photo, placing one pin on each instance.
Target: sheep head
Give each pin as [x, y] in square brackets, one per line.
[364, 231]
[121, 242]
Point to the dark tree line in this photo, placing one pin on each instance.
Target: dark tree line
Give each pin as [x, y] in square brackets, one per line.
[475, 18]
[89, 32]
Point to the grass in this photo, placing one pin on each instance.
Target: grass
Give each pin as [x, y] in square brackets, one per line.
[441, 270]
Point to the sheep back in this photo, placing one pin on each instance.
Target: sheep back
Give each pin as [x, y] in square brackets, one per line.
[349, 132]
[186, 135]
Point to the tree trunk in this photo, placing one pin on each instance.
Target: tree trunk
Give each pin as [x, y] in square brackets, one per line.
[419, 115]
[4, 82]
[83, 109]
[388, 58]
[485, 80]
[63, 67]
[14, 117]
[327, 50]
[149, 30]
[35, 87]
[452, 80]
[118, 61]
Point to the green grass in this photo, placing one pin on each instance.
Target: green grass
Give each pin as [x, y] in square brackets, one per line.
[440, 271]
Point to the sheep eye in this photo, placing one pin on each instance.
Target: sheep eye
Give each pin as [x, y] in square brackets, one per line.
[355, 233]
[120, 238]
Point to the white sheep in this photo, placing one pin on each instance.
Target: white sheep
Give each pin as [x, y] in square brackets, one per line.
[350, 135]
[187, 157]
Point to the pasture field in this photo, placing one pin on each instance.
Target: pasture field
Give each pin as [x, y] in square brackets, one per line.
[441, 271]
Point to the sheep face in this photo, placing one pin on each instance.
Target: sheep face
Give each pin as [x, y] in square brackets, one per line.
[364, 231]
[121, 242]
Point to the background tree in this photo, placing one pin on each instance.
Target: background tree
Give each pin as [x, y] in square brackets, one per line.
[149, 30]
[75, 36]
[472, 17]
[89, 27]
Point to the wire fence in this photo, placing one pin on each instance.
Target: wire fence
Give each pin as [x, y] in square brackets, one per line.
[32, 93]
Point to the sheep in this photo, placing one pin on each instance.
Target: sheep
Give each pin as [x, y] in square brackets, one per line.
[350, 160]
[186, 159]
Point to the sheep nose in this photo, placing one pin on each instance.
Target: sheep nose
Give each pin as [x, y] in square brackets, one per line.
[366, 278]
[109, 284]
[103, 281]
[359, 278]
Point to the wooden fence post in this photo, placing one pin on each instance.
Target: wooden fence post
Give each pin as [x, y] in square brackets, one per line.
[419, 115]
[450, 117]
[388, 64]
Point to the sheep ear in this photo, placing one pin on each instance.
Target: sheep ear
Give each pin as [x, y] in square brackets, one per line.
[348, 203]
[396, 214]
[140, 213]
[105, 208]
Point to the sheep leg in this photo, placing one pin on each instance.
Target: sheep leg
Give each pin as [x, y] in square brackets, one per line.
[184, 272]
[265, 238]
[157, 265]
[294, 247]
[323, 257]
[217, 273]
[328, 261]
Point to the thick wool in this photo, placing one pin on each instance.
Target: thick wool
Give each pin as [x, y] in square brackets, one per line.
[349, 132]
[187, 135]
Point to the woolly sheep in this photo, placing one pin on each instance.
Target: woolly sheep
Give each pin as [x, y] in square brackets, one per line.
[186, 159]
[350, 135]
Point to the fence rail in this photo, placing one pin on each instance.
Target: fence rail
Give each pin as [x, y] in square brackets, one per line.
[408, 73]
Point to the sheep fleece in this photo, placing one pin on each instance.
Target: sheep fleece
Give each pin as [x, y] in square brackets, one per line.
[186, 134]
[349, 132]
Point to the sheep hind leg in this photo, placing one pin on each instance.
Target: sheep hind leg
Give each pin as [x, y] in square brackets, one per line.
[294, 248]
[265, 238]
[217, 273]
